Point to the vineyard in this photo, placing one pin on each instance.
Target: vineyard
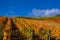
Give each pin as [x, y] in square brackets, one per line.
[29, 29]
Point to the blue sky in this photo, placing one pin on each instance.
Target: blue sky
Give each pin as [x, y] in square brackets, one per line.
[29, 8]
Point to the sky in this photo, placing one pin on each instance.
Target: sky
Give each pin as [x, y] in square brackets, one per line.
[28, 8]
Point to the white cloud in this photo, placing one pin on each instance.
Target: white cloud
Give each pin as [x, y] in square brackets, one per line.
[46, 12]
[52, 12]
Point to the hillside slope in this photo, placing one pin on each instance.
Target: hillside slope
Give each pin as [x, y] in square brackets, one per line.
[29, 29]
